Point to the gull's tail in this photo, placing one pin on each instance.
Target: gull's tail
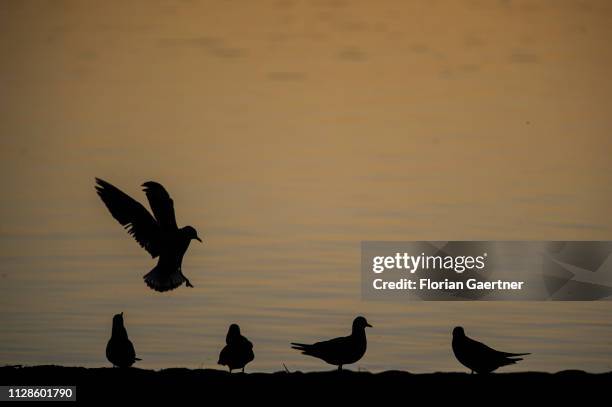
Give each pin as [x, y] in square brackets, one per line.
[514, 356]
[305, 348]
[163, 280]
[511, 358]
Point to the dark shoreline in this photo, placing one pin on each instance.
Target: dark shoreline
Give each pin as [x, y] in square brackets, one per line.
[113, 384]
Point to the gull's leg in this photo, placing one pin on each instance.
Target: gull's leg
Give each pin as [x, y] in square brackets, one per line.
[187, 282]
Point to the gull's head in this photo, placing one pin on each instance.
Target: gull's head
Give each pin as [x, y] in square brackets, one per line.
[191, 233]
[234, 330]
[233, 333]
[458, 332]
[360, 323]
[118, 320]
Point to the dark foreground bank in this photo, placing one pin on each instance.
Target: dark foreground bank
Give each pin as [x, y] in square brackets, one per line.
[283, 388]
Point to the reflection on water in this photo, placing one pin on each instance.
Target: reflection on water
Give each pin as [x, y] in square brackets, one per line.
[287, 132]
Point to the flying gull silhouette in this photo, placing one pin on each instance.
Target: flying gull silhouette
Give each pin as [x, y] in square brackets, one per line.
[120, 350]
[339, 351]
[477, 356]
[158, 234]
[238, 350]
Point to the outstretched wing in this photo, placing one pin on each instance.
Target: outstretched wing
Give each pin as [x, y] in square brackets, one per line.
[161, 204]
[131, 215]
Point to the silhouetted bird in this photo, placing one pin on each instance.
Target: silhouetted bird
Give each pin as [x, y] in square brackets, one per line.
[339, 351]
[477, 356]
[120, 350]
[158, 235]
[238, 350]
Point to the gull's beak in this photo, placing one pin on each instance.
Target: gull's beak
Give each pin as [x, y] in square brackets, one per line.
[198, 239]
[367, 324]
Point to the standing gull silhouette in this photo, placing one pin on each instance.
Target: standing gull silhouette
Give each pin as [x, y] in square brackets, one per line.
[339, 351]
[477, 356]
[158, 235]
[238, 350]
[120, 350]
